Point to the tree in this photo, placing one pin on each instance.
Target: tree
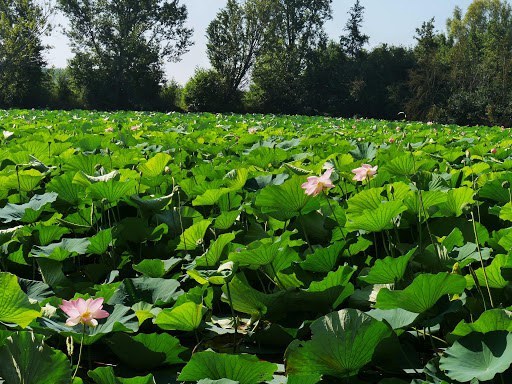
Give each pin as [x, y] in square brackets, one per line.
[429, 79]
[481, 63]
[22, 24]
[120, 46]
[355, 40]
[235, 39]
[295, 32]
[205, 92]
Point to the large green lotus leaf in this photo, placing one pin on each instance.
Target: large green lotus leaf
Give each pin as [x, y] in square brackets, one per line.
[25, 358]
[7, 234]
[423, 206]
[47, 234]
[151, 290]
[263, 156]
[489, 321]
[261, 252]
[457, 200]
[155, 166]
[363, 151]
[27, 212]
[389, 270]
[15, 306]
[84, 180]
[106, 375]
[323, 259]
[423, 293]
[26, 180]
[237, 178]
[396, 318]
[506, 212]
[367, 199]
[342, 343]
[185, 317]
[286, 200]
[493, 190]
[402, 165]
[146, 351]
[62, 250]
[153, 204]
[121, 319]
[244, 369]
[334, 288]
[478, 356]
[226, 220]
[63, 185]
[213, 255]
[193, 236]
[112, 190]
[492, 272]
[248, 300]
[99, 243]
[156, 267]
[210, 196]
[376, 220]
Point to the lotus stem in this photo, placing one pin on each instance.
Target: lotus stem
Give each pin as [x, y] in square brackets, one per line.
[481, 260]
[79, 353]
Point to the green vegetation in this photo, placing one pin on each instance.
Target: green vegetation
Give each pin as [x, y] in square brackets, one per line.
[195, 233]
[266, 56]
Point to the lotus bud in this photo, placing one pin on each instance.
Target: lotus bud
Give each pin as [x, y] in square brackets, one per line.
[69, 345]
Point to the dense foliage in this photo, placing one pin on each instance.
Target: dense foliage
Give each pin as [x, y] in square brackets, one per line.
[195, 235]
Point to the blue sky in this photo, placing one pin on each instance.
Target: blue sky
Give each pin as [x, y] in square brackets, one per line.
[386, 21]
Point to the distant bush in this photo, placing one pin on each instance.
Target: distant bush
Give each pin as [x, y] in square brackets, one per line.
[171, 97]
[206, 92]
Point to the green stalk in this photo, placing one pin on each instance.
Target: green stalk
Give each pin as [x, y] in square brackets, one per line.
[481, 260]
[79, 353]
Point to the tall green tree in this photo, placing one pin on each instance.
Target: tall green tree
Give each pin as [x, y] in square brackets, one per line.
[296, 31]
[236, 37]
[120, 47]
[354, 41]
[429, 81]
[481, 63]
[22, 24]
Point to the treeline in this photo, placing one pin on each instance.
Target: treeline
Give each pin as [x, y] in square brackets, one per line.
[268, 56]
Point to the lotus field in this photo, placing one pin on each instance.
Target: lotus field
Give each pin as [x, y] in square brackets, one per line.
[149, 248]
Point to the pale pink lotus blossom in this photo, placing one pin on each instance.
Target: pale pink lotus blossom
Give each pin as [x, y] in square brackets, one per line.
[84, 311]
[315, 185]
[398, 129]
[252, 130]
[430, 123]
[366, 171]
[391, 140]
[109, 129]
[135, 127]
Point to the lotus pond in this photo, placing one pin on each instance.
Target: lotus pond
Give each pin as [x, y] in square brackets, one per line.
[150, 248]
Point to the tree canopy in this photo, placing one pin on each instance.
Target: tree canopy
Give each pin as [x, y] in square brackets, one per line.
[120, 47]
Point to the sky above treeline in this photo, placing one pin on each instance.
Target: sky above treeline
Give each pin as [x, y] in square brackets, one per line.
[393, 22]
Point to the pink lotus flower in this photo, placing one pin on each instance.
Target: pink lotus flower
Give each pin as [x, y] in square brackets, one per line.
[316, 184]
[366, 171]
[109, 129]
[84, 311]
[391, 140]
[494, 150]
